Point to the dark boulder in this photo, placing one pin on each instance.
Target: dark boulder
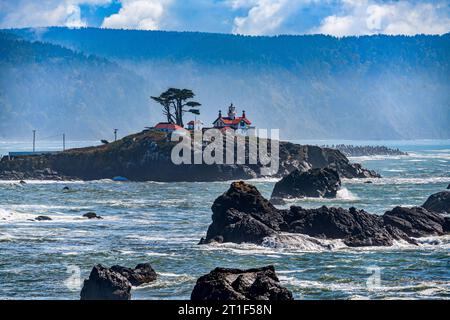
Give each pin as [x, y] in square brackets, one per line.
[105, 284]
[42, 218]
[92, 215]
[448, 187]
[235, 284]
[438, 202]
[415, 222]
[242, 214]
[142, 273]
[66, 188]
[312, 183]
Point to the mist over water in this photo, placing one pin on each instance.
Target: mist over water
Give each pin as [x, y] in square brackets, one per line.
[161, 223]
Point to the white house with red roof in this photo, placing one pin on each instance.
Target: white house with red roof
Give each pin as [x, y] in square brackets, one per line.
[240, 124]
[171, 128]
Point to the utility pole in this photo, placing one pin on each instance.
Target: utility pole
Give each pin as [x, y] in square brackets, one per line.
[34, 141]
[64, 141]
[115, 134]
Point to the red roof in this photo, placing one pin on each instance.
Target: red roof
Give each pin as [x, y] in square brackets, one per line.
[228, 121]
[168, 126]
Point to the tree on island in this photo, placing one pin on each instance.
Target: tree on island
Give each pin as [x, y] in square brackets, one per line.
[176, 102]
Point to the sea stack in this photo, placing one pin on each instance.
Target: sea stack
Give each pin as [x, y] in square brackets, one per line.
[235, 284]
[315, 183]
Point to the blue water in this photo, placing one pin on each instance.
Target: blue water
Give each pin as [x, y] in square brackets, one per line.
[162, 223]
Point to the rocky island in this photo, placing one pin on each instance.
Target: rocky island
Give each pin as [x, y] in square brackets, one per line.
[146, 156]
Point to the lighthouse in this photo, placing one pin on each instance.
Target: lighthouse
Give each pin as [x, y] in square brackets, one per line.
[231, 112]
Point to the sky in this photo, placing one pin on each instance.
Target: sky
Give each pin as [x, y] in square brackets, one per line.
[250, 17]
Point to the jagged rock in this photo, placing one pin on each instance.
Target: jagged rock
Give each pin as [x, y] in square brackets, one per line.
[105, 284]
[415, 222]
[358, 151]
[42, 218]
[142, 273]
[92, 215]
[312, 183]
[448, 187]
[242, 214]
[235, 284]
[438, 202]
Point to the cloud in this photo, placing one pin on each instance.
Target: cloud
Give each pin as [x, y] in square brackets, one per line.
[253, 17]
[366, 17]
[138, 14]
[264, 17]
[24, 13]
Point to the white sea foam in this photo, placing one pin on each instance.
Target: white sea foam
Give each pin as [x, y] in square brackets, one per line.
[301, 242]
[295, 244]
[41, 181]
[343, 194]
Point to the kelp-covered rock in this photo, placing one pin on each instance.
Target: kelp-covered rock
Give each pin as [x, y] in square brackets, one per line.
[235, 284]
[242, 214]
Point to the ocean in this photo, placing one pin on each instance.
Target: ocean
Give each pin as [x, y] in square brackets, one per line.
[161, 223]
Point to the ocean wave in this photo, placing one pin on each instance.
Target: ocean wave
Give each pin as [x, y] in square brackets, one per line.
[356, 289]
[15, 182]
[296, 243]
[301, 242]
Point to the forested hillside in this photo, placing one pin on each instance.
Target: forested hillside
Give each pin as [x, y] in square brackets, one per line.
[55, 90]
[377, 87]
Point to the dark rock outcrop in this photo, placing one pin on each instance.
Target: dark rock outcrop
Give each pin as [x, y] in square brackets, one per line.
[115, 283]
[142, 273]
[438, 202]
[316, 183]
[448, 187]
[92, 215]
[242, 214]
[415, 222]
[42, 218]
[105, 284]
[235, 284]
[147, 156]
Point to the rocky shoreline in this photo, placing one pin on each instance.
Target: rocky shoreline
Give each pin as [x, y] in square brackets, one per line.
[362, 151]
[242, 214]
[145, 156]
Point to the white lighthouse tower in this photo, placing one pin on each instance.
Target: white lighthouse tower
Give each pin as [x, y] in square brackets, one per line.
[231, 112]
